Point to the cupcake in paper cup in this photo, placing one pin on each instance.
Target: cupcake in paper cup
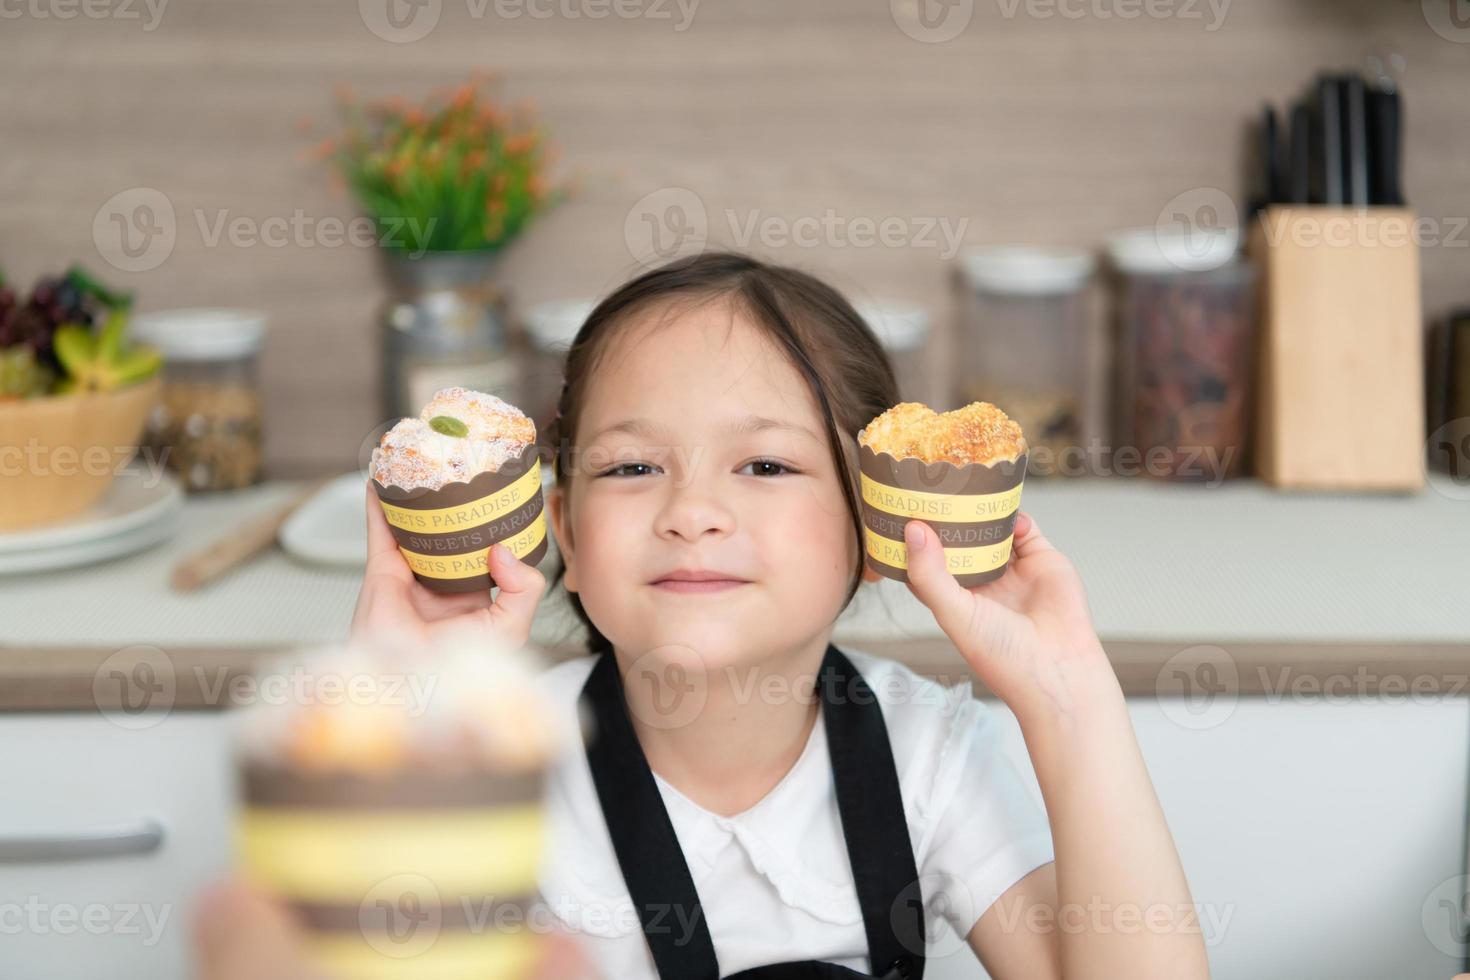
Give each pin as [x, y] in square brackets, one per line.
[464, 475]
[960, 472]
[393, 802]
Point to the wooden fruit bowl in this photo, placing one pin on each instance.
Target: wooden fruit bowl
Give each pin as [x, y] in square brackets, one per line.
[58, 454]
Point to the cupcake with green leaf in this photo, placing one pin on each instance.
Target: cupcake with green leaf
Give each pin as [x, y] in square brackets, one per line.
[462, 476]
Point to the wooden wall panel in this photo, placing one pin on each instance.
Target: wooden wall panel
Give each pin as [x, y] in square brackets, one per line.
[1025, 128]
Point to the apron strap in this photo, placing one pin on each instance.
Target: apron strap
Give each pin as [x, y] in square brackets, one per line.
[868, 802]
[873, 820]
[643, 836]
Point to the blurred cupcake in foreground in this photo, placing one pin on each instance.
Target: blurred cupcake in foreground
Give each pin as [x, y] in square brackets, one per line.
[960, 472]
[392, 799]
[462, 476]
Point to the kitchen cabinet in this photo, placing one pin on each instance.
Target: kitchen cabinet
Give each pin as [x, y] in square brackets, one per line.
[116, 908]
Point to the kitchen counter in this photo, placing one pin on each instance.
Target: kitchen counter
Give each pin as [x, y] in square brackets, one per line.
[1268, 587]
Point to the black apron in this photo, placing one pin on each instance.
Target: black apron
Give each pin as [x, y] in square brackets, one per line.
[868, 802]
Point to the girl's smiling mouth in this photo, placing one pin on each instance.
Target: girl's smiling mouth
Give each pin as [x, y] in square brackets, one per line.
[696, 580]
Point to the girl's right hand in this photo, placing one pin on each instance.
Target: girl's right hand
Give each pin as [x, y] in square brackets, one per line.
[393, 602]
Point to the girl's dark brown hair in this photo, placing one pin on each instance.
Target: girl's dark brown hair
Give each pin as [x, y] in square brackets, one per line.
[845, 367]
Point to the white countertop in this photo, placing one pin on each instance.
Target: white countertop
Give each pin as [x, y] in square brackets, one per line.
[1162, 562]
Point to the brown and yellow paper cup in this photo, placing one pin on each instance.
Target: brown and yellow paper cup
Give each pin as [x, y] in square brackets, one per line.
[445, 534]
[972, 508]
[412, 876]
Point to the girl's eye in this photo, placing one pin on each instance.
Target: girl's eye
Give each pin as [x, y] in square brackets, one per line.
[623, 468]
[768, 467]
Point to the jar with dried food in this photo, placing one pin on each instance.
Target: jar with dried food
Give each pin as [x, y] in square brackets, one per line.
[1185, 355]
[208, 425]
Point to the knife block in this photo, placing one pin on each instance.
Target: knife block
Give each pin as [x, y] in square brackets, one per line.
[1340, 399]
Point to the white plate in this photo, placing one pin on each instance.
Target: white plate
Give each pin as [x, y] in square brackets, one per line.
[330, 528]
[91, 551]
[135, 499]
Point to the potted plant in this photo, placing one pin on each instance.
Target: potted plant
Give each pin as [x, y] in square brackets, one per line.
[448, 183]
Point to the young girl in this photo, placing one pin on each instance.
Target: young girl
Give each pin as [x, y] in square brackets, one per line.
[754, 801]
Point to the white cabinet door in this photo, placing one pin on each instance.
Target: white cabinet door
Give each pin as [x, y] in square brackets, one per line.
[1322, 839]
[71, 775]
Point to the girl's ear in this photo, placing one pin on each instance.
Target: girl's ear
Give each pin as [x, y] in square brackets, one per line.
[561, 530]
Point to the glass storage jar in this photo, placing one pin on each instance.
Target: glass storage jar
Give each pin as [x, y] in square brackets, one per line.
[1030, 345]
[550, 329]
[903, 330]
[207, 427]
[1185, 367]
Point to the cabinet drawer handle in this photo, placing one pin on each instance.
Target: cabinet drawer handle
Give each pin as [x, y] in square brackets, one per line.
[144, 837]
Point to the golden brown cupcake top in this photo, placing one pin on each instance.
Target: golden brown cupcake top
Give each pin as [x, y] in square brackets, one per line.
[976, 433]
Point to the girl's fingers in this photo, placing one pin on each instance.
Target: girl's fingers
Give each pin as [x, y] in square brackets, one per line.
[1028, 537]
[380, 541]
[952, 604]
[521, 587]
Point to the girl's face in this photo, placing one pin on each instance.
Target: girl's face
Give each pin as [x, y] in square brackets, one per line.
[700, 450]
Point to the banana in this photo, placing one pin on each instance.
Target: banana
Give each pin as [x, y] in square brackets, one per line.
[102, 361]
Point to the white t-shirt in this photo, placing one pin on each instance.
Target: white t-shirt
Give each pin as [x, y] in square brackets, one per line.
[775, 880]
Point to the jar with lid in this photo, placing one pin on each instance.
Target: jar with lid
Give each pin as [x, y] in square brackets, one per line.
[207, 427]
[1186, 344]
[1030, 345]
[550, 328]
[903, 330]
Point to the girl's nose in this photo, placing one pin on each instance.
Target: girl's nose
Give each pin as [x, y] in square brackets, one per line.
[692, 511]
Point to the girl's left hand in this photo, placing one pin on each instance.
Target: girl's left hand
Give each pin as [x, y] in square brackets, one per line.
[1028, 635]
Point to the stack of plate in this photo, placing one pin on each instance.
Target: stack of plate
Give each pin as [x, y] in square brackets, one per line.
[139, 510]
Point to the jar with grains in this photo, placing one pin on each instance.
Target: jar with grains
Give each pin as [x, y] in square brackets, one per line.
[1031, 345]
[207, 426]
[1186, 348]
